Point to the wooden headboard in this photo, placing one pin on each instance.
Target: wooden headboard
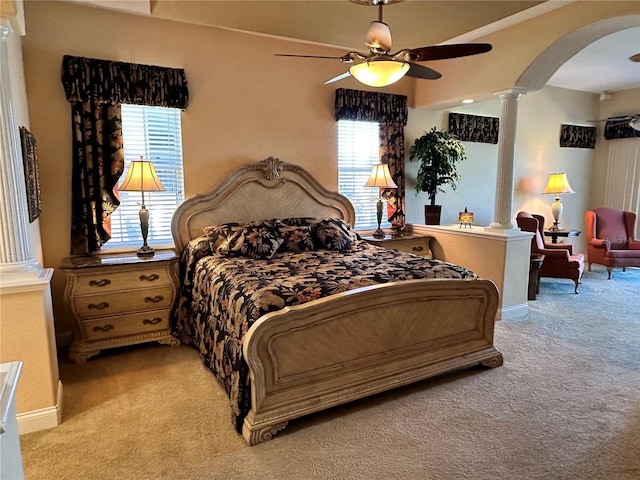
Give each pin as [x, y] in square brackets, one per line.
[258, 191]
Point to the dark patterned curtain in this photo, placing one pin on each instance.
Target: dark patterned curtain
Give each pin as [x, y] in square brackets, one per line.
[390, 111]
[617, 128]
[96, 88]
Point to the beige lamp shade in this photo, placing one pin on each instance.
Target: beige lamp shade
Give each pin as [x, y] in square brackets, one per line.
[141, 177]
[380, 177]
[379, 73]
[557, 183]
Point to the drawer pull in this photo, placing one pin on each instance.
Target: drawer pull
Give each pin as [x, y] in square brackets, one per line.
[98, 306]
[156, 299]
[417, 249]
[104, 328]
[99, 283]
[149, 278]
[153, 321]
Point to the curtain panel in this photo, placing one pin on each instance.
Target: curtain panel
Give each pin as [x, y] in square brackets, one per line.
[390, 112]
[96, 89]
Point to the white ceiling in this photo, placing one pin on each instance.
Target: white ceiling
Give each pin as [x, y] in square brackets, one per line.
[602, 66]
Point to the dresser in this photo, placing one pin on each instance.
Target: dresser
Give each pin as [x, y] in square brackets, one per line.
[410, 243]
[120, 299]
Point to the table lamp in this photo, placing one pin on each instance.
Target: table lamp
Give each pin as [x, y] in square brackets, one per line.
[557, 185]
[380, 178]
[142, 177]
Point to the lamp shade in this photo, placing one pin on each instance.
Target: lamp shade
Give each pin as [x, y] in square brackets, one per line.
[142, 177]
[380, 177]
[558, 183]
[379, 72]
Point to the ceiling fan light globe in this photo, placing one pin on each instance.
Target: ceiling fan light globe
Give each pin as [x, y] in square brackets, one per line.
[379, 73]
[378, 36]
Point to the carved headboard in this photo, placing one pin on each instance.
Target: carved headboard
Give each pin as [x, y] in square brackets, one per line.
[258, 191]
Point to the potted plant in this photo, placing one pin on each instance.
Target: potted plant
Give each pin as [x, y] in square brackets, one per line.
[438, 152]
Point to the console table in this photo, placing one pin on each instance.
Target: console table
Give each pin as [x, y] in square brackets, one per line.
[554, 234]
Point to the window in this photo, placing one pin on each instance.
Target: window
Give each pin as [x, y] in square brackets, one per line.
[358, 152]
[155, 134]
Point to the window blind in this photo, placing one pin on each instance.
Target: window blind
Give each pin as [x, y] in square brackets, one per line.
[155, 134]
[358, 152]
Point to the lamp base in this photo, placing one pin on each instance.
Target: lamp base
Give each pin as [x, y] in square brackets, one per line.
[556, 227]
[145, 251]
[379, 233]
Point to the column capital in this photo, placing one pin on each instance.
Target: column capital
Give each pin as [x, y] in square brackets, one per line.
[514, 92]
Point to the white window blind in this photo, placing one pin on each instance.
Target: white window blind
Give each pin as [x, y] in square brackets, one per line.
[155, 134]
[358, 152]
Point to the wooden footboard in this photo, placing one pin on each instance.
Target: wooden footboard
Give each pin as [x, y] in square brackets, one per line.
[337, 349]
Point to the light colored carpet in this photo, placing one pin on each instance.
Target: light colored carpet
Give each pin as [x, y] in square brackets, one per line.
[565, 405]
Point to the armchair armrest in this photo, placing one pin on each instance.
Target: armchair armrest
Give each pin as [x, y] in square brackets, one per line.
[560, 246]
[599, 243]
[553, 254]
[634, 244]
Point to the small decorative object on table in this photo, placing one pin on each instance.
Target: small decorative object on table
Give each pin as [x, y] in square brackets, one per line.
[465, 218]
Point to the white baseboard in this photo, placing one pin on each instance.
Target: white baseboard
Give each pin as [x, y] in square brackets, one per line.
[43, 418]
[515, 311]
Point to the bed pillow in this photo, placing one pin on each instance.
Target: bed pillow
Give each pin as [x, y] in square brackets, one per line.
[333, 234]
[296, 239]
[259, 239]
[218, 234]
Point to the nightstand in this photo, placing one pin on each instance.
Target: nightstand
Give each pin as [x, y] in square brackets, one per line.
[120, 299]
[410, 243]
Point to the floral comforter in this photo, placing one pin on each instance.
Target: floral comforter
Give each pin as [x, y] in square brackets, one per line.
[222, 296]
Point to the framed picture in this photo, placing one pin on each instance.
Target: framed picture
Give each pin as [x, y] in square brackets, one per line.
[31, 174]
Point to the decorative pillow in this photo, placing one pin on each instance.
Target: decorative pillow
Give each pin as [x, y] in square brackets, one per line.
[259, 239]
[333, 234]
[300, 221]
[296, 239]
[218, 234]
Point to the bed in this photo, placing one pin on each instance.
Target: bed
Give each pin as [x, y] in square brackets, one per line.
[360, 335]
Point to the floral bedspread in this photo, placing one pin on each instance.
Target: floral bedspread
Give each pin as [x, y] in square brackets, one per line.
[222, 296]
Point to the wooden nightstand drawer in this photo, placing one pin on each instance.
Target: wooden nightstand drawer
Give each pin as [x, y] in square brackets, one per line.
[103, 282]
[416, 244]
[111, 327]
[91, 306]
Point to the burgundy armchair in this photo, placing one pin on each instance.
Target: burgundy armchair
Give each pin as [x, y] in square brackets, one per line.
[610, 238]
[559, 259]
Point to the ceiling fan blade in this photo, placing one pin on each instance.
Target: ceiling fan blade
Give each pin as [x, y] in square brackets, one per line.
[420, 71]
[307, 56]
[441, 52]
[339, 77]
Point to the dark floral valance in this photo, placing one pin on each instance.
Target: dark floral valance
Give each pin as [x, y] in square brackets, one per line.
[577, 136]
[619, 128]
[105, 81]
[372, 106]
[474, 128]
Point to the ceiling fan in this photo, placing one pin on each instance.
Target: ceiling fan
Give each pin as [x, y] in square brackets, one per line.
[632, 121]
[380, 68]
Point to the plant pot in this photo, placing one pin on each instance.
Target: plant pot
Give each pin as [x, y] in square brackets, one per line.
[432, 214]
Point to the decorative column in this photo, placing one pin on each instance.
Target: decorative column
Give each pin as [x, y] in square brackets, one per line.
[15, 252]
[502, 214]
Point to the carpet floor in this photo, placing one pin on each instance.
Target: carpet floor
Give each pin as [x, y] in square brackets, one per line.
[565, 405]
